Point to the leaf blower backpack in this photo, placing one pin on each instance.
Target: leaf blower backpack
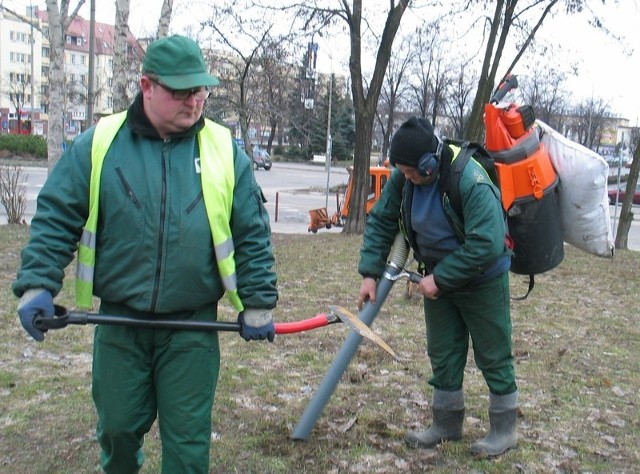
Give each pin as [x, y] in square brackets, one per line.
[520, 166]
[528, 184]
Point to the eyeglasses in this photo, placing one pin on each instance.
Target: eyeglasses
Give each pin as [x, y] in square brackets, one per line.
[183, 94]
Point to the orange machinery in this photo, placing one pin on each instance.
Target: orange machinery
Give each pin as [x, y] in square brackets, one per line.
[378, 177]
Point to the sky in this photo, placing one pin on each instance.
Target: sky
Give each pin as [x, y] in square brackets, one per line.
[606, 72]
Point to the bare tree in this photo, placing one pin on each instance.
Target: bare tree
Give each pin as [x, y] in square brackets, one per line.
[424, 46]
[626, 216]
[239, 53]
[365, 96]
[590, 121]
[121, 65]
[165, 19]
[393, 90]
[272, 79]
[507, 15]
[459, 98]
[545, 92]
[59, 20]
[18, 93]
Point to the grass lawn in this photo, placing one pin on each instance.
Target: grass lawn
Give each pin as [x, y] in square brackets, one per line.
[576, 343]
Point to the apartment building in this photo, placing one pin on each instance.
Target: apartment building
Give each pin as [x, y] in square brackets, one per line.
[20, 60]
[25, 53]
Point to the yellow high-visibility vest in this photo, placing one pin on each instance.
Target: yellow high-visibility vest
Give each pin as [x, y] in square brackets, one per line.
[218, 180]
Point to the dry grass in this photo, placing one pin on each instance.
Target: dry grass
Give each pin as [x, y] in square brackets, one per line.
[576, 342]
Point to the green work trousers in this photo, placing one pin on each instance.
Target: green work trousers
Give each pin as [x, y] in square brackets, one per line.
[141, 373]
[482, 312]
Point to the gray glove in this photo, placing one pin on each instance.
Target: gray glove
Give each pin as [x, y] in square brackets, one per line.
[257, 324]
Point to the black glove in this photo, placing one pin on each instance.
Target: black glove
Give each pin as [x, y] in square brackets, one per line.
[257, 324]
[34, 302]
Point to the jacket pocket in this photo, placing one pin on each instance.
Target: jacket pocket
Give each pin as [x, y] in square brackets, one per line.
[127, 188]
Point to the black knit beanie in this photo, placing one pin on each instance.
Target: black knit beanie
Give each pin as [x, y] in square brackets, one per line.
[411, 141]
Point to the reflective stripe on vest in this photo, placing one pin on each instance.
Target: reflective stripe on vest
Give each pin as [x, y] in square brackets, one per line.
[215, 145]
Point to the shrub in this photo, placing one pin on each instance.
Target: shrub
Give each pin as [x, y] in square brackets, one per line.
[32, 145]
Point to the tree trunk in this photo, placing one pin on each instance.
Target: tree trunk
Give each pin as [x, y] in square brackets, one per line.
[475, 125]
[365, 105]
[361, 162]
[121, 58]
[626, 216]
[165, 19]
[57, 28]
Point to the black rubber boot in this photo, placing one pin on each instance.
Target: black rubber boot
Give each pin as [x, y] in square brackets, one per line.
[502, 426]
[448, 417]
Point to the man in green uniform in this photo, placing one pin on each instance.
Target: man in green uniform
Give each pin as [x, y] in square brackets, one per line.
[165, 213]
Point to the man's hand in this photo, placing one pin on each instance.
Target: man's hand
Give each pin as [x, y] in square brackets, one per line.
[367, 292]
[428, 287]
[257, 324]
[34, 302]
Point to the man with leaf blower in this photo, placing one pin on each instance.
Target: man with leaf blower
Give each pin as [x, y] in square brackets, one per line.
[466, 284]
[166, 216]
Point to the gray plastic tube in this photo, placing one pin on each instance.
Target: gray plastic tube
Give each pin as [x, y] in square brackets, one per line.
[395, 264]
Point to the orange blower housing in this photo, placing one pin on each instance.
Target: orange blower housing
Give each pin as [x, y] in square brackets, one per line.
[528, 185]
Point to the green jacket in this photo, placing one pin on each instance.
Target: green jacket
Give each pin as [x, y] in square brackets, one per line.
[154, 248]
[481, 233]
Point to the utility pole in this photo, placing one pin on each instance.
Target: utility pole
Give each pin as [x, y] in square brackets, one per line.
[328, 158]
[90, 93]
[33, 70]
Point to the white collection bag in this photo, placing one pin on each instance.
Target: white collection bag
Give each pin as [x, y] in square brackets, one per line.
[583, 198]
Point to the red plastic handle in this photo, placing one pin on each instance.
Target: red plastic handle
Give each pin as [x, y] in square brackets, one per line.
[317, 321]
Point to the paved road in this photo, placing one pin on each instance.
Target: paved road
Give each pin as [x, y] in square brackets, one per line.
[291, 190]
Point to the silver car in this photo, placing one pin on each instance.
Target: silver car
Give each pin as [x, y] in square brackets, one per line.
[261, 159]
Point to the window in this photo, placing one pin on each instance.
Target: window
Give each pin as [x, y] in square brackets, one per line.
[68, 39]
[19, 37]
[372, 188]
[383, 181]
[20, 58]
[19, 78]
[45, 52]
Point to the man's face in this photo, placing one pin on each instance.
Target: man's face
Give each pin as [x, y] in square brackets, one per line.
[171, 111]
[414, 176]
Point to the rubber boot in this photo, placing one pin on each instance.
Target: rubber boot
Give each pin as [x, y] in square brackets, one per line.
[448, 416]
[502, 426]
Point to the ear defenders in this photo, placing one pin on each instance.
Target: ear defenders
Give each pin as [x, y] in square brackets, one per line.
[429, 162]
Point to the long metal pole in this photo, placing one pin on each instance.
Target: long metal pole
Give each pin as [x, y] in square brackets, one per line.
[33, 73]
[397, 260]
[91, 75]
[329, 144]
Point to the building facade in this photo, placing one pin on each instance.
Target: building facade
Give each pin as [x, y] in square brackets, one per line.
[24, 71]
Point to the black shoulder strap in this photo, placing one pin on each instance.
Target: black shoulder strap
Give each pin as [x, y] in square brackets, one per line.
[450, 173]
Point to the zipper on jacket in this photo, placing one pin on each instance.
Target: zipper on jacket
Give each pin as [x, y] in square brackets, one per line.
[194, 203]
[163, 210]
[127, 188]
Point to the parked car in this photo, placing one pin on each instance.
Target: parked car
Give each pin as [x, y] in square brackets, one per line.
[621, 194]
[261, 159]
